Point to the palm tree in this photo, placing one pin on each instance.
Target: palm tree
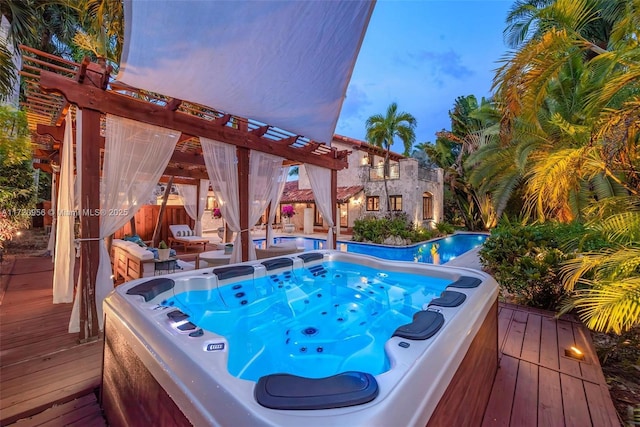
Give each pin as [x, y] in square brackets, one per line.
[606, 283]
[571, 98]
[45, 25]
[382, 131]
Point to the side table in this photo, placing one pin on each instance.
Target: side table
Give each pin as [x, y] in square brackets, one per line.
[165, 265]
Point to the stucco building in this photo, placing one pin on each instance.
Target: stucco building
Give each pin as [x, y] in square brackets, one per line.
[416, 190]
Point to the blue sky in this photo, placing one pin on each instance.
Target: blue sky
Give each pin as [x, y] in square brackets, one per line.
[423, 54]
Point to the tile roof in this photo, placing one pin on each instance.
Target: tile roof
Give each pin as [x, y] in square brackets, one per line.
[292, 194]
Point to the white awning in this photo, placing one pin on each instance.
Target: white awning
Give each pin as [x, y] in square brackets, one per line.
[282, 63]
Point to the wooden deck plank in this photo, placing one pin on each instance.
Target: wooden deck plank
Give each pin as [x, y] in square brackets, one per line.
[565, 341]
[54, 413]
[550, 412]
[574, 402]
[515, 337]
[589, 368]
[601, 408]
[504, 320]
[531, 343]
[524, 412]
[549, 343]
[498, 412]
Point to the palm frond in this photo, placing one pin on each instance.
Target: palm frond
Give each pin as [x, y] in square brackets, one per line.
[610, 307]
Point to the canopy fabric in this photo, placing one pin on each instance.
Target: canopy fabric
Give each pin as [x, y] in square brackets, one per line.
[263, 168]
[222, 167]
[194, 204]
[65, 254]
[320, 181]
[286, 64]
[280, 180]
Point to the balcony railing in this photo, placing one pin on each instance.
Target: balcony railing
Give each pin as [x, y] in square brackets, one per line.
[425, 174]
[377, 173]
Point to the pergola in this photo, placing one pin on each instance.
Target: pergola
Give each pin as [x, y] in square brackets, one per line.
[54, 84]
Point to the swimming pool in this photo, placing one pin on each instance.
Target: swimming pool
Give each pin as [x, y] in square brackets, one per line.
[320, 338]
[437, 251]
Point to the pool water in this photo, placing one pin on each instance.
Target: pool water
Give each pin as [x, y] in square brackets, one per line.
[313, 322]
[437, 251]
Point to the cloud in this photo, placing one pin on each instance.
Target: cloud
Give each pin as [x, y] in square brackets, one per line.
[355, 103]
[439, 64]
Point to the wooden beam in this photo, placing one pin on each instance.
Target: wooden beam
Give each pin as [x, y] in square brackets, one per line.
[156, 232]
[82, 72]
[260, 131]
[190, 158]
[173, 104]
[45, 167]
[243, 196]
[86, 96]
[55, 132]
[334, 208]
[89, 226]
[176, 180]
[186, 173]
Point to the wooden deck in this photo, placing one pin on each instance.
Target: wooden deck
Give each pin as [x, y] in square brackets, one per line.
[536, 384]
[47, 378]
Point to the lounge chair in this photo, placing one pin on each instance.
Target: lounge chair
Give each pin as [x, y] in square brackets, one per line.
[185, 236]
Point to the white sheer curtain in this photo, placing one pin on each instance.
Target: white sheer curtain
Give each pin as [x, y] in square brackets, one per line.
[263, 168]
[320, 180]
[135, 156]
[276, 195]
[222, 166]
[195, 210]
[64, 254]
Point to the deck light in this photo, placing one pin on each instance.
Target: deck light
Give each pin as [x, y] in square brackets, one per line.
[574, 353]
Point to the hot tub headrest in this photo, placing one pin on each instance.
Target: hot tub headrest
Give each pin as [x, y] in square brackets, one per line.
[466, 282]
[272, 264]
[233, 271]
[313, 256]
[449, 299]
[425, 325]
[285, 391]
[152, 288]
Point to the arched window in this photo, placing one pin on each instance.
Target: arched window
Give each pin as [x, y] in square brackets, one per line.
[427, 206]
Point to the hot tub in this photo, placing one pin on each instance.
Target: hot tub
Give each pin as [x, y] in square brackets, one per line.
[321, 338]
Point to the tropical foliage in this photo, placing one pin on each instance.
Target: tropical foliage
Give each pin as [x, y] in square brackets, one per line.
[17, 195]
[382, 131]
[569, 96]
[394, 225]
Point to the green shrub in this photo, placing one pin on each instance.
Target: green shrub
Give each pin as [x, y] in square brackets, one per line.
[445, 228]
[526, 260]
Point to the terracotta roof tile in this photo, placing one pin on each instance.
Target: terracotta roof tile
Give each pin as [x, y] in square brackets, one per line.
[292, 194]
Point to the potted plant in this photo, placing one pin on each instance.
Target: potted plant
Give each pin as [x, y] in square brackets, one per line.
[217, 214]
[287, 213]
[163, 251]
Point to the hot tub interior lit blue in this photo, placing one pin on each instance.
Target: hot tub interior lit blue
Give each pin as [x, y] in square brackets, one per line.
[320, 338]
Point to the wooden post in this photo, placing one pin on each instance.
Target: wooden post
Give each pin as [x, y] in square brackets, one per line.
[198, 183]
[243, 195]
[156, 232]
[267, 235]
[334, 207]
[132, 225]
[89, 225]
